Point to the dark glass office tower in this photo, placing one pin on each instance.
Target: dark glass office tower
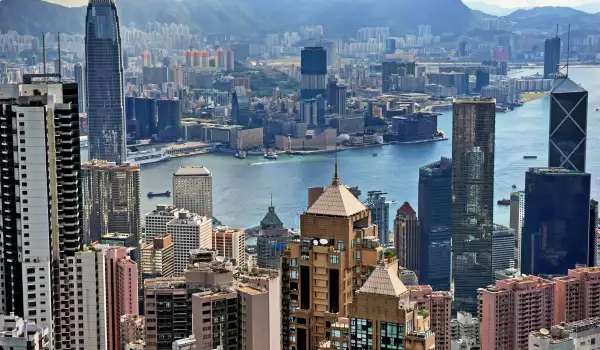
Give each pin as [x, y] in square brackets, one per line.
[146, 116]
[169, 119]
[80, 80]
[482, 78]
[473, 128]
[435, 218]
[556, 229]
[568, 125]
[104, 82]
[313, 66]
[592, 237]
[240, 106]
[551, 56]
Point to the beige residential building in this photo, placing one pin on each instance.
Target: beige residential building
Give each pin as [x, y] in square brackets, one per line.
[157, 259]
[321, 270]
[156, 221]
[132, 330]
[189, 231]
[230, 243]
[192, 190]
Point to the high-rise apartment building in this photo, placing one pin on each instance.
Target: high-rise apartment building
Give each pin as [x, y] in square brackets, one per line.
[111, 199]
[568, 125]
[272, 240]
[189, 231]
[41, 202]
[473, 137]
[157, 259]
[82, 313]
[313, 67]
[230, 243]
[439, 306]
[336, 252]
[383, 317]
[192, 190]
[121, 292]
[380, 214]
[406, 237]
[512, 309]
[79, 71]
[557, 209]
[104, 82]
[435, 220]
[517, 214]
[551, 57]
[576, 295]
[465, 330]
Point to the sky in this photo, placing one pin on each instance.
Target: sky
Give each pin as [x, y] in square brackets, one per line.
[500, 3]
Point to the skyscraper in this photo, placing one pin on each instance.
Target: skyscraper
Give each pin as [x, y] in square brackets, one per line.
[272, 240]
[80, 80]
[406, 237]
[104, 82]
[169, 119]
[111, 199]
[240, 106]
[568, 125]
[551, 56]
[517, 215]
[473, 128]
[146, 116]
[557, 209]
[192, 190]
[390, 68]
[313, 67]
[380, 214]
[41, 201]
[435, 221]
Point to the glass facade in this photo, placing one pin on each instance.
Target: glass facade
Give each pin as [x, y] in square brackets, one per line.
[568, 125]
[473, 128]
[392, 336]
[240, 107]
[361, 334]
[557, 209]
[146, 117]
[313, 66]
[104, 82]
[435, 220]
[380, 214]
[169, 119]
[551, 56]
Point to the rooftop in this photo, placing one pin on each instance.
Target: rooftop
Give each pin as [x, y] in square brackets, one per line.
[384, 281]
[192, 171]
[566, 85]
[336, 200]
[555, 171]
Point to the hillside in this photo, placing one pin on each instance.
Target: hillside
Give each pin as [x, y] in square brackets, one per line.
[250, 18]
[545, 19]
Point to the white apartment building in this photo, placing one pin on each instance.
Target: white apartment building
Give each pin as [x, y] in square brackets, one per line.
[83, 325]
[156, 221]
[192, 190]
[189, 231]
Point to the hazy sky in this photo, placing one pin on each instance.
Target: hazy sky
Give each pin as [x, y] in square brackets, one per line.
[501, 3]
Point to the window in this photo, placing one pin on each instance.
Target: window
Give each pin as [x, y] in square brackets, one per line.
[293, 274]
[334, 259]
[21, 141]
[340, 245]
[21, 123]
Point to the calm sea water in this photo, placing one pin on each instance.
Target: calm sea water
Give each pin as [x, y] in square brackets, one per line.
[242, 192]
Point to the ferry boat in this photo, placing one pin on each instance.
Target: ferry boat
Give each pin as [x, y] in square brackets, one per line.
[83, 144]
[514, 186]
[270, 155]
[160, 194]
[375, 154]
[529, 157]
[146, 157]
[504, 201]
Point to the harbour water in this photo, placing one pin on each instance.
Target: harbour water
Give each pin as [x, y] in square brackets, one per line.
[242, 191]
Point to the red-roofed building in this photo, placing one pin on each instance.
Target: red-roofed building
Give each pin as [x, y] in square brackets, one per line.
[406, 237]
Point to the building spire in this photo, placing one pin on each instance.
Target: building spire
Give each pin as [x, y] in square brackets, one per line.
[271, 206]
[336, 177]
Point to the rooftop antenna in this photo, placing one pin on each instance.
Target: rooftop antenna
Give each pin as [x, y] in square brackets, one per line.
[44, 53]
[336, 177]
[271, 199]
[59, 61]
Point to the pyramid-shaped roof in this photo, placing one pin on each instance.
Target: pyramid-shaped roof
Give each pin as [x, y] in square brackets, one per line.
[271, 219]
[336, 200]
[565, 85]
[406, 208]
[384, 281]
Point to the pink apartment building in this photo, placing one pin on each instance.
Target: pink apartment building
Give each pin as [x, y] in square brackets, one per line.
[121, 292]
[439, 305]
[577, 295]
[512, 309]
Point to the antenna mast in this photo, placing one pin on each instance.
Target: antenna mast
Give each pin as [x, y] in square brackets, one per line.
[568, 47]
[59, 61]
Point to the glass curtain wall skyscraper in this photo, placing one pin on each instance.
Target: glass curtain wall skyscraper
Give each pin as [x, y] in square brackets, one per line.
[104, 82]
[313, 66]
[568, 125]
[473, 134]
[551, 56]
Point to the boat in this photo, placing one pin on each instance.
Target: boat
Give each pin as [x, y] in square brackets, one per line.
[504, 201]
[83, 144]
[146, 157]
[241, 154]
[514, 186]
[375, 154]
[529, 157]
[160, 194]
[597, 109]
[270, 155]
